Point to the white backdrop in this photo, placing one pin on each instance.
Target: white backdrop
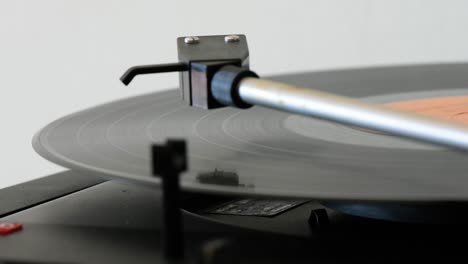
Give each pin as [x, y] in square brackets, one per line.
[57, 57]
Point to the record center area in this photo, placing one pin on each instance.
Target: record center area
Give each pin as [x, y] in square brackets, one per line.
[446, 104]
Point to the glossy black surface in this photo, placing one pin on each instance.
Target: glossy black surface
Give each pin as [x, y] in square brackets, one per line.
[119, 222]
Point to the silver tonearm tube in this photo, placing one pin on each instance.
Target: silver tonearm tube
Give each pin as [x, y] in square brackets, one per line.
[349, 111]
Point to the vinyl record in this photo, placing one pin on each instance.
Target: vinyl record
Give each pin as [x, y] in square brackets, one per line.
[260, 151]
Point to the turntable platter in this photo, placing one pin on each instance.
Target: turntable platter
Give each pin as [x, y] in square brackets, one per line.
[265, 152]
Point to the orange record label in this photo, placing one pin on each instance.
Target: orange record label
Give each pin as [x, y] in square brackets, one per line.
[454, 108]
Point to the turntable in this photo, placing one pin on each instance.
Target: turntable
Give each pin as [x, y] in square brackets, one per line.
[356, 165]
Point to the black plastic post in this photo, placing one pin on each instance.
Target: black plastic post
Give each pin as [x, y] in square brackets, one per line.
[318, 219]
[168, 161]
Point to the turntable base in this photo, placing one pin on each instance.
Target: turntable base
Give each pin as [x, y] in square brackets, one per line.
[99, 221]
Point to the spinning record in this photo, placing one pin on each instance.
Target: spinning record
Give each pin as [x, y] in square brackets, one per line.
[260, 151]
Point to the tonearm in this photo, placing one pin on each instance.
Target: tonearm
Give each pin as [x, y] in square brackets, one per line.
[214, 72]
